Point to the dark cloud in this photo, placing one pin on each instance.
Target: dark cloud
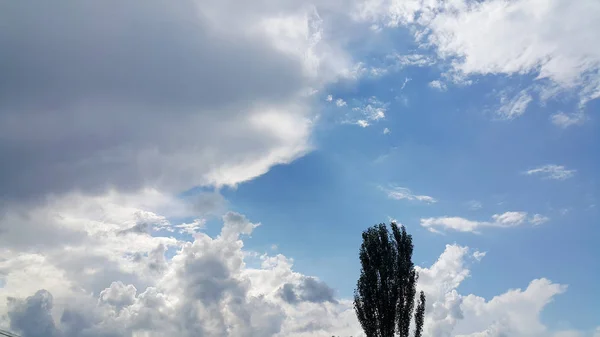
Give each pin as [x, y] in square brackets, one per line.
[102, 94]
[309, 290]
[32, 317]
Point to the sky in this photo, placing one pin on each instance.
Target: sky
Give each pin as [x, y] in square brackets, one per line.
[206, 168]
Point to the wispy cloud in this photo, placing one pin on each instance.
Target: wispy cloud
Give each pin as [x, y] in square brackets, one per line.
[479, 255]
[474, 204]
[565, 120]
[504, 220]
[386, 131]
[403, 193]
[552, 171]
[514, 107]
[538, 219]
[364, 113]
[406, 80]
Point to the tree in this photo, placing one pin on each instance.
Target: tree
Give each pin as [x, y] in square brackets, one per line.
[385, 293]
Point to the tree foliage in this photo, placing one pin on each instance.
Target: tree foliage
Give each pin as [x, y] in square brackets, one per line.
[385, 294]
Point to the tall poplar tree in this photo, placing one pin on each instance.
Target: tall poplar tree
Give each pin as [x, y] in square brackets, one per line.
[385, 294]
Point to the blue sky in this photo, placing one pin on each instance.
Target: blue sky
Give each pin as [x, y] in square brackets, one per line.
[448, 145]
[207, 167]
[327, 198]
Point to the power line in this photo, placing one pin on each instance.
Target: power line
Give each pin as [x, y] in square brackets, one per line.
[7, 334]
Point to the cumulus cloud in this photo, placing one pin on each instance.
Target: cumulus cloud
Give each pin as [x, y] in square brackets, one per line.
[504, 220]
[93, 100]
[552, 171]
[403, 193]
[449, 313]
[107, 284]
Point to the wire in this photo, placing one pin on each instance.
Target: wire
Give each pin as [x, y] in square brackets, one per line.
[7, 334]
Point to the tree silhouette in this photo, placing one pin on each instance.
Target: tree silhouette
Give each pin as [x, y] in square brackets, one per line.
[385, 294]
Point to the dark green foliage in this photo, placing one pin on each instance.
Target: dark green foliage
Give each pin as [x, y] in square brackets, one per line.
[385, 292]
[420, 315]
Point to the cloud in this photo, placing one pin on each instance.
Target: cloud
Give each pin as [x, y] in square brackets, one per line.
[439, 85]
[474, 205]
[113, 104]
[565, 120]
[479, 255]
[32, 316]
[373, 109]
[538, 219]
[403, 193]
[504, 220]
[449, 313]
[496, 37]
[514, 107]
[406, 80]
[366, 113]
[386, 131]
[340, 102]
[552, 171]
[105, 284]
[308, 289]
[362, 123]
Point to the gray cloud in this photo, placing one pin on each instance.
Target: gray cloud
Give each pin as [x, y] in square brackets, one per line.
[97, 95]
[309, 289]
[32, 316]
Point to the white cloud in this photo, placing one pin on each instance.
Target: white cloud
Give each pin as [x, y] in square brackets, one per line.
[193, 227]
[362, 123]
[538, 219]
[329, 98]
[413, 60]
[479, 255]
[386, 131]
[506, 38]
[552, 171]
[113, 281]
[439, 85]
[367, 113]
[406, 80]
[124, 285]
[374, 109]
[340, 102]
[514, 107]
[504, 220]
[449, 313]
[403, 193]
[565, 120]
